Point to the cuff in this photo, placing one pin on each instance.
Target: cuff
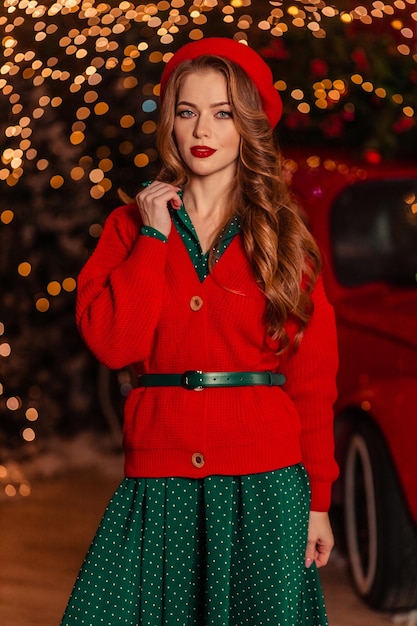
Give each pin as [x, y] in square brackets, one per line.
[149, 231]
[320, 496]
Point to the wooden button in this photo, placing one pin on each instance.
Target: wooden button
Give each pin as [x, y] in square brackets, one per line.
[196, 303]
[197, 459]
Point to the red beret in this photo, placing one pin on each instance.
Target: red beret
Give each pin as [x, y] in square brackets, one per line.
[249, 60]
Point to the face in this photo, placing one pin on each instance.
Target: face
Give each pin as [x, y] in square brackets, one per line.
[206, 136]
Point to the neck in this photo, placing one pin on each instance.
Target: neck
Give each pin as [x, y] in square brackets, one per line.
[207, 207]
[205, 199]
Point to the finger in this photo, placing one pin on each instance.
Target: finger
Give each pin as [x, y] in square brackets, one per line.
[311, 553]
[154, 197]
[153, 203]
[176, 202]
[157, 188]
[323, 555]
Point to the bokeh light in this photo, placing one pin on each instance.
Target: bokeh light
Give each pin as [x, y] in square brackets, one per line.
[78, 45]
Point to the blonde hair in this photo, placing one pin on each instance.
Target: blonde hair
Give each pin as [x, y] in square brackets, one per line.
[283, 254]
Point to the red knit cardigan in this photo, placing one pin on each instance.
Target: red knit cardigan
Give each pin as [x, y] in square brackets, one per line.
[136, 305]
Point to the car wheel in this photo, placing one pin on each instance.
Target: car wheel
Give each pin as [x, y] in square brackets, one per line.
[380, 535]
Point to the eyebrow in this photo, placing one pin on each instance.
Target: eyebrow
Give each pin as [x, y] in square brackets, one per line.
[212, 106]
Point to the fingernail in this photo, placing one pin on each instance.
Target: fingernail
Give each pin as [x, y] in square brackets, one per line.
[308, 562]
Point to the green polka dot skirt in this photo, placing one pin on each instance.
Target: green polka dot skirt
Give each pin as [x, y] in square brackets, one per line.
[220, 551]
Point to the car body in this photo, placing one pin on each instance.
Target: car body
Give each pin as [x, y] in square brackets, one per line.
[364, 218]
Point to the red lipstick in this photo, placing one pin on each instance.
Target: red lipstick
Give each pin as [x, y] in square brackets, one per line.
[202, 152]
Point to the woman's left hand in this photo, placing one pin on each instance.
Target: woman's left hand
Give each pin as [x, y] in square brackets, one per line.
[320, 539]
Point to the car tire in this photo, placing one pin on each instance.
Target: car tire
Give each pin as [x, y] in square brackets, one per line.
[381, 538]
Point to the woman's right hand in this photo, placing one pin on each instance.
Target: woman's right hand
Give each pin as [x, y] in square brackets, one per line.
[153, 201]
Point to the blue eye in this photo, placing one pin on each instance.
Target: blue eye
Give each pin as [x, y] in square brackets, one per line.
[224, 114]
[185, 113]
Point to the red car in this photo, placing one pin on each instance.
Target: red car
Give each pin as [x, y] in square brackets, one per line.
[365, 220]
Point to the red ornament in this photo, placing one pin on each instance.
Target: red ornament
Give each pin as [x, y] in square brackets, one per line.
[361, 60]
[348, 116]
[333, 126]
[373, 157]
[296, 121]
[318, 67]
[276, 50]
[403, 124]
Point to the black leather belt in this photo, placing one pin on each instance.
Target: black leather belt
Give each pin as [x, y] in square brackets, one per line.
[194, 380]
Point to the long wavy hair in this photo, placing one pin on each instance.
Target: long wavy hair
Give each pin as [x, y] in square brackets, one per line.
[282, 252]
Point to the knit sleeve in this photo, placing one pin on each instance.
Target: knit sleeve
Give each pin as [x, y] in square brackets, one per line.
[311, 383]
[120, 291]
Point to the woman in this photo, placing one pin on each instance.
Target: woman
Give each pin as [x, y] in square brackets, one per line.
[209, 284]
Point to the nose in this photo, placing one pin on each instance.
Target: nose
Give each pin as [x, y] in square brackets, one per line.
[201, 128]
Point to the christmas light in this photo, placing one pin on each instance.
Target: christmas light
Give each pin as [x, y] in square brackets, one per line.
[5, 349]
